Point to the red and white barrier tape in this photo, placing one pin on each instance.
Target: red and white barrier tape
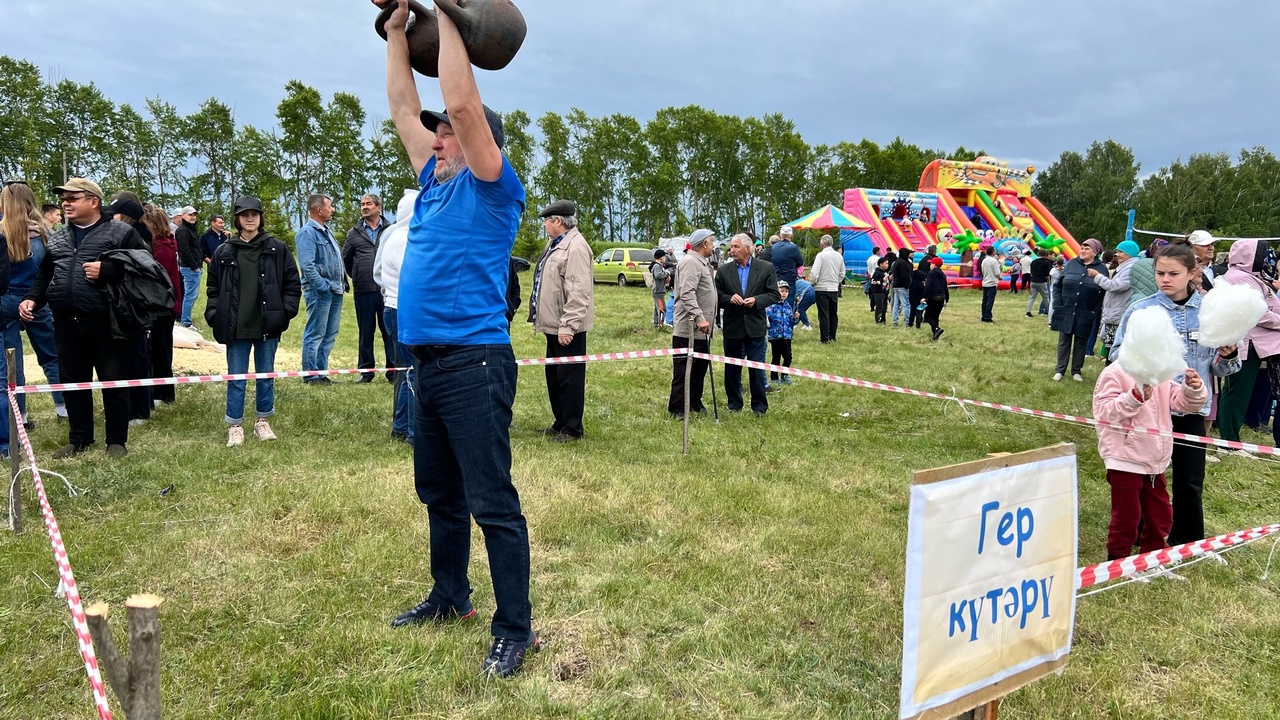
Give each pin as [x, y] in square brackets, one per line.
[201, 379]
[1234, 445]
[1130, 566]
[192, 380]
[64, 572]
[631, 355]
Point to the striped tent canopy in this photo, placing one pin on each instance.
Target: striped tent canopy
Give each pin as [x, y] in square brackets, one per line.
[828, 217]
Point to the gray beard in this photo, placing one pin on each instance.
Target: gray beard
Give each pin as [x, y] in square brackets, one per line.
[445, 173]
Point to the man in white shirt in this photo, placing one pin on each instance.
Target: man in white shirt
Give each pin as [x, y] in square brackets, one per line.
[872, 261]
[991, 268]
[826, 275]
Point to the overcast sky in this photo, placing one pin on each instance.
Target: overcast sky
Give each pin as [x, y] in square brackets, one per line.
[1024, 80]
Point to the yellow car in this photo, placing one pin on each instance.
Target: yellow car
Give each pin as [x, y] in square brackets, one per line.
[622, 265]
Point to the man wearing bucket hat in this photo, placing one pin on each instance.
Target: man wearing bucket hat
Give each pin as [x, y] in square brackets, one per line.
[464, 369]
[71, 282]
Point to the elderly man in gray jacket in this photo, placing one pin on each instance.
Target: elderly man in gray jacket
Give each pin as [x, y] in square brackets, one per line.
[695, 311]
[562, 308]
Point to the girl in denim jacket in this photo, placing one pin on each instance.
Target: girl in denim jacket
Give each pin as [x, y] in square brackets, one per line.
[1175, 269]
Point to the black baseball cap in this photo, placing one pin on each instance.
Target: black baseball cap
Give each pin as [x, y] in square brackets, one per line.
[432, 119]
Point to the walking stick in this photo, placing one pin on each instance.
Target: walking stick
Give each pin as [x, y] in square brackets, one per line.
[711, 371]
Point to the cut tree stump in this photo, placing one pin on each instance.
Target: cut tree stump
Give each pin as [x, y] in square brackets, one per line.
[136, 682]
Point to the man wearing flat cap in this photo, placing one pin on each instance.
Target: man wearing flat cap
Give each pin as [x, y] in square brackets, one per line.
[465, 218]
[695, 311]
[72, 281]
[562, 308]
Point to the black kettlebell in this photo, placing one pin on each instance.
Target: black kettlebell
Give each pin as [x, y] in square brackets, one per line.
[491, 30]
[423, 36]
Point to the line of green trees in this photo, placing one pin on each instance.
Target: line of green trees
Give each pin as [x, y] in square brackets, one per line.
[686, 167]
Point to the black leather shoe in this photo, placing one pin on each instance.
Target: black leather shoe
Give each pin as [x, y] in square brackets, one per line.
[565, 438]
[425, 612]
[365, 379]
[506, 656]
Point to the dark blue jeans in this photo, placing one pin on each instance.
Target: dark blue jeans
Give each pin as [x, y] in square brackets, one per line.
[462, 469]
[988, 302]
[402, 414]
[747, 349]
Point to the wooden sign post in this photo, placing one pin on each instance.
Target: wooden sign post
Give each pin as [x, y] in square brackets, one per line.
[15, 452]
[989, 604]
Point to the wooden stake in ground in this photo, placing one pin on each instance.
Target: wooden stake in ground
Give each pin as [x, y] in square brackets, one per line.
[688, 375]
[989, 711]
[15, 454]
[137, 682]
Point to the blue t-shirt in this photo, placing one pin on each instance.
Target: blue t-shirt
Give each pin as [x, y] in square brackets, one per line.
[453, 280]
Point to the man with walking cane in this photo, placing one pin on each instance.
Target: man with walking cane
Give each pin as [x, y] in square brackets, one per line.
[695, 311]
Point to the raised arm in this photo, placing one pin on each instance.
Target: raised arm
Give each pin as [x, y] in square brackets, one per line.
[402, 93]
[462, 100]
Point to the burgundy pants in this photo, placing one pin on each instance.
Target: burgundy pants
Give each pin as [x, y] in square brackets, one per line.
[1137, 498]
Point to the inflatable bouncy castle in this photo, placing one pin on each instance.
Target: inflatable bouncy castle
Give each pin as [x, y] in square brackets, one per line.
[962, 208]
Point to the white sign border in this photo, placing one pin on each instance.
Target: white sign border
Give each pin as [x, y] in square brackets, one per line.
[911, 597]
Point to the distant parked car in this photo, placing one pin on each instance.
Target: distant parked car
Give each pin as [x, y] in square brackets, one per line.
[622, 265]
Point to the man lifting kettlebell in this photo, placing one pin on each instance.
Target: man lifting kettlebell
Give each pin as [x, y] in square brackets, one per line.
[464, 370]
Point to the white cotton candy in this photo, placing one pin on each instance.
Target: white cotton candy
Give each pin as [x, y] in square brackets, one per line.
[1153, 350]
[1228, 313]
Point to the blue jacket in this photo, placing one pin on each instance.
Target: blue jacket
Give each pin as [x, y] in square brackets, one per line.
[319, 259]
[787, 259]
[781, 321]
[1186, 320]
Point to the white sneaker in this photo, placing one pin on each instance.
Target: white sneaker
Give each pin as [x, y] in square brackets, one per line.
[1057, 377]
[262, 430]
[1077, 377]
[137, 422]
[235, 436]
[60, 411]
[1211, 458]
[808, 328]
[1245, 454]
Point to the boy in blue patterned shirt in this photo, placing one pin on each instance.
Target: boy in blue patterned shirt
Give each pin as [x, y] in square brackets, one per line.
[782, 319]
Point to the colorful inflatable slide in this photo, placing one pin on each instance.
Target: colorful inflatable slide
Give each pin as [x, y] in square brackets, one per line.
[962, 208]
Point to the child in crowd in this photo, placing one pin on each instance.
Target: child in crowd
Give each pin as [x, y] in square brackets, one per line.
[1175, 266]
[660, 272]
[1136, 462]
[248, 311]
[936, 295]
[1054, 274]
[880, 288]
[781, 319]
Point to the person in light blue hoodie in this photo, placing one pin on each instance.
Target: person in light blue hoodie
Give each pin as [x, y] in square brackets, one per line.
[323, 284]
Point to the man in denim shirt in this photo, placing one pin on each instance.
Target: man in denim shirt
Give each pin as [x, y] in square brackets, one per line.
[323, 283]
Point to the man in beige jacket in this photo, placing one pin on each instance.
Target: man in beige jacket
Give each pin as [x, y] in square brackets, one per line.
[695, 311]
[562, 307]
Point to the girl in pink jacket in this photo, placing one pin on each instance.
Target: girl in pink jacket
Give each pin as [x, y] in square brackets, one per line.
[1136, 461]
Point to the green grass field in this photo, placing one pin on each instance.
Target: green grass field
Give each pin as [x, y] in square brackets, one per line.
[761, 576]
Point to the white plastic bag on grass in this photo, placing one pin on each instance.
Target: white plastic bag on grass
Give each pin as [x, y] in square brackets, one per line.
[1228, 313]
[1153, 350]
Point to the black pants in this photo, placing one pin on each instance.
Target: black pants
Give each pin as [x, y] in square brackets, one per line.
[1071, 348]
[915, 297]
[933, 311]
[567, 385]
[829, 314]
[84, 345]
[697, 380]
[369, 316]
[988, 302]
[781, 354]
[140, 397]
[746, 349]
[880, 301]
[162, 358]
[1013, 283]
[1188, 481]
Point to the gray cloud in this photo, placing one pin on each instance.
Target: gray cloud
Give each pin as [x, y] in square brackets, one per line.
[1024, 81]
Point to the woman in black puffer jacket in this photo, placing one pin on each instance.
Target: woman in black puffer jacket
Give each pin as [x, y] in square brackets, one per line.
[1077, 301]
[249, 310]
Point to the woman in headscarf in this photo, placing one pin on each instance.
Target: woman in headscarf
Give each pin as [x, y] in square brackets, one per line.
[1252, 263]
[1077, 300]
